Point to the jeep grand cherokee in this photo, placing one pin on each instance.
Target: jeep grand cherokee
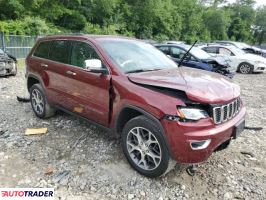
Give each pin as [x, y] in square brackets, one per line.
[161, 112]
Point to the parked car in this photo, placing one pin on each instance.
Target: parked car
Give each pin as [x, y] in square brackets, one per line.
[197, 58]
[244, 62]
[245, 47]
[8, 64]
[162, 112]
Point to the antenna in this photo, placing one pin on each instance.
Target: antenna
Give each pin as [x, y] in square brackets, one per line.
[183, 58]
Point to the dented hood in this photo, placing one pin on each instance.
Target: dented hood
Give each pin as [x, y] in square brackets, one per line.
[200, 86]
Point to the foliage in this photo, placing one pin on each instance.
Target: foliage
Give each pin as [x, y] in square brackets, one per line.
[260, 25]
[187, 20]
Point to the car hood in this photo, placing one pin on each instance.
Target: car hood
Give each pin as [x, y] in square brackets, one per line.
[200, 86]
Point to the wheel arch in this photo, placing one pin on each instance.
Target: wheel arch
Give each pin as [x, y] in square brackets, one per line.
[244, 62]
[32, 79]
[129, 112]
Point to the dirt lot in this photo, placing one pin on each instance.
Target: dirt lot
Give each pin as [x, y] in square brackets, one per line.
[87, 163]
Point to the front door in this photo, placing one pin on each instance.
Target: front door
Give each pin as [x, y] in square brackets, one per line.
[89, 91]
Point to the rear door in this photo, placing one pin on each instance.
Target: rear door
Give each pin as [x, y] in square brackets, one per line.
[89, 91]
[211, 50]
[55, 72]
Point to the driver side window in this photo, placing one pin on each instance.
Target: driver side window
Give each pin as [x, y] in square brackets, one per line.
[177, 53]
[81, 52]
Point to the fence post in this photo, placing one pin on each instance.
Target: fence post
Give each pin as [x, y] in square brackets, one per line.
[3, 41]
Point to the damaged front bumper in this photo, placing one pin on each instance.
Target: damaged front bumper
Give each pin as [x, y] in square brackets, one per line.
[8, 68]
[192, 143]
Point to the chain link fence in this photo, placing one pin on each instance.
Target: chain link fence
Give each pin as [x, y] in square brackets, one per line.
[17, 45]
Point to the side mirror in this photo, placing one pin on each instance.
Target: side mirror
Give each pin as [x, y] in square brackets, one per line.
[95, 66]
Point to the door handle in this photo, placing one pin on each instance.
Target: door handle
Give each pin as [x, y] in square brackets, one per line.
[44, 65]
[71, 73]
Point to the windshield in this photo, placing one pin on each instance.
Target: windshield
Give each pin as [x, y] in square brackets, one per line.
[135, 56]
[199, 53]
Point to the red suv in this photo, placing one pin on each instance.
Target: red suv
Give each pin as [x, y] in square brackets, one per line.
[161, 112]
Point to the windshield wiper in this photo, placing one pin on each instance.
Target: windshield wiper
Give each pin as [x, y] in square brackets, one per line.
[186, 54]
[141, 70]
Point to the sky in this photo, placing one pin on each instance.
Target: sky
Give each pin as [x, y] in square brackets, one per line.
[259, 2]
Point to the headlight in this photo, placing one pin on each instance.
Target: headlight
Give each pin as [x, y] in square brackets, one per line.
[192, 113]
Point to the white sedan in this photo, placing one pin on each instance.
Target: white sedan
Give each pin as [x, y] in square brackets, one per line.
[245, 63]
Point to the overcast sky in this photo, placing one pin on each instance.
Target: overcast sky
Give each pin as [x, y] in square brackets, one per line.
[259, 2]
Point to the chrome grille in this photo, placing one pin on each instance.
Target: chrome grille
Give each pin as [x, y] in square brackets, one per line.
[223, 113]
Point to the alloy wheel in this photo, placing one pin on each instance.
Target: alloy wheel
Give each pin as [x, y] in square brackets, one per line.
[245, 68]
[144, 148]
[37, 101]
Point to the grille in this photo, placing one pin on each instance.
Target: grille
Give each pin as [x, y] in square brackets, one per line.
[223, 113]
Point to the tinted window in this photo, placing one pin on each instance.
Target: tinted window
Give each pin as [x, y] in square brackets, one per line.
[177, 53]
[42, 50]
[82, 51]
[210, 49]
[60, 51]
[165, 50]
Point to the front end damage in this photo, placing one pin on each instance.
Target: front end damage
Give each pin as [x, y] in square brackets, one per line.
[221, 67]
[8, 66]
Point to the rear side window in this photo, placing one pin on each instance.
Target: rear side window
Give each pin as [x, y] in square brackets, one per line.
[225, 51]
[60, 51]
[211, 50]
[42, 51]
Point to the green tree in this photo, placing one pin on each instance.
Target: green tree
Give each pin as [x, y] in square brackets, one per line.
[260, 25]
[217, 22]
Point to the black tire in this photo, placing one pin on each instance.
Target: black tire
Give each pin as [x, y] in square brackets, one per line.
[48, 110]
[245, 68]
[152, 127]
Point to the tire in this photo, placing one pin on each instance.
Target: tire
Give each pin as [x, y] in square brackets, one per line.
[37, 96]
[245, 68]
[145, 147]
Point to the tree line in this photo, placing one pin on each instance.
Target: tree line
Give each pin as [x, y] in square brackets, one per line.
[186, 20]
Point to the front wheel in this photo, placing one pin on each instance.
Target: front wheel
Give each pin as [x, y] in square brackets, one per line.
[245, 68]
[145, 147]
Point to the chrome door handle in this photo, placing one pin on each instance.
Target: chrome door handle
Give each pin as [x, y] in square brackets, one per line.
[44, 65]
[71, 73]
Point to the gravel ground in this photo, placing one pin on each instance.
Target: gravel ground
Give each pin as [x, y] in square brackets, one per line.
[83, 162]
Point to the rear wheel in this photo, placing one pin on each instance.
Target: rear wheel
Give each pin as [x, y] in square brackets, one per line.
[144, 147]
[39, 102]
[245, 68]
